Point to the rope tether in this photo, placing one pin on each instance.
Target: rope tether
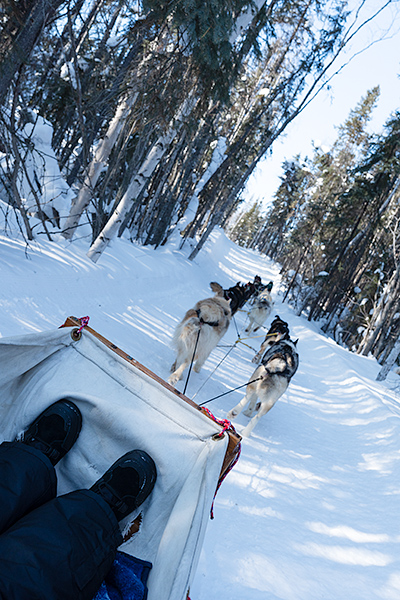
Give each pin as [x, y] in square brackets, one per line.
[213, 371]
[238, 341]
[236, 327]
[192, 361]
[76, 334]
[229, 391]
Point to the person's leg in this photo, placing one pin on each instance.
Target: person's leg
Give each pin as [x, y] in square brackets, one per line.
[60, 551]
[27, 476]
[27, 480]
[64, 549]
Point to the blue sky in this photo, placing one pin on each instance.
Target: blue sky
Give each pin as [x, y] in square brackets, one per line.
[378, 64]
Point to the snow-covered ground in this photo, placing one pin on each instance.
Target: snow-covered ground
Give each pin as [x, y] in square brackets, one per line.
[311, 510]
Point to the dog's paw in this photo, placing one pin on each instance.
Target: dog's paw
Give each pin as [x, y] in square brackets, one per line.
[173, 379]
[197, 368]
[248, 413]
[232, 414]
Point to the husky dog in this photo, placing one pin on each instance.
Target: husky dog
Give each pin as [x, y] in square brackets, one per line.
[238, 294]
[260, 311]
[279, 330]
[260, 287]
[268, 382]
[201, 328]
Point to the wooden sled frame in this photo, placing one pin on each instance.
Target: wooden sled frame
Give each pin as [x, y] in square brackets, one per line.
[233, 447]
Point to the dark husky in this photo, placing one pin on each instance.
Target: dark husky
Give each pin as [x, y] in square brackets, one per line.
[268, 382]
[279, 330]
[239, 294]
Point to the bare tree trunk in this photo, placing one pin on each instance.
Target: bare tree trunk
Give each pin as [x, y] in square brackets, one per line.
[96, 166]
[158, 213]
[293, 280]
[139, 181]
[379, 319]
[212, 223]
[16, 197]
[230, 199]
[391, 359]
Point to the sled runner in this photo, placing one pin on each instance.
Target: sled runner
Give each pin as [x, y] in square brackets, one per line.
[124, 406]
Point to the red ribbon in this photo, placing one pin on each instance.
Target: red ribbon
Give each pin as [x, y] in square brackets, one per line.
[84, 321]
[225, 424]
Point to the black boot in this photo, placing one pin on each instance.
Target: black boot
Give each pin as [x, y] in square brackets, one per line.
[55, 430]
[127, 483]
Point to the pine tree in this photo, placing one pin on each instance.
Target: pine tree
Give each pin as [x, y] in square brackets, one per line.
[332, 211]
[207, 27]
[243, 230]
[286, 207]
[23, 24]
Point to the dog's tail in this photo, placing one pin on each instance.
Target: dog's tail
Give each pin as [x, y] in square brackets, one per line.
[186, 332]
[217, 288]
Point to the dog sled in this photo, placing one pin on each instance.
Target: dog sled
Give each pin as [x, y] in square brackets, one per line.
[124, 406]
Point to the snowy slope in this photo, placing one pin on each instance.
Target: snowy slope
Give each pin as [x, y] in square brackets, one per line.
[310, 512]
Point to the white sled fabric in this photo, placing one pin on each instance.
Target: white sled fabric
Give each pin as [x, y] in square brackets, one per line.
[122, 409]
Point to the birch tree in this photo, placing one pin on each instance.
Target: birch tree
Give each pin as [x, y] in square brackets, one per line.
[220, 65]
[383, 373]
[100, 159]
[139, 181]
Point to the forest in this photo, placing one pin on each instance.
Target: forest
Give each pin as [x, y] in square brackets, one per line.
[162, 110]
[333, 226]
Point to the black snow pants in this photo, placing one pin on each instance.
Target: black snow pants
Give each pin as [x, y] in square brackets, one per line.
[51, 548]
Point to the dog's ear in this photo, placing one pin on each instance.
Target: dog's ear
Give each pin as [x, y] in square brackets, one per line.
[216, 288]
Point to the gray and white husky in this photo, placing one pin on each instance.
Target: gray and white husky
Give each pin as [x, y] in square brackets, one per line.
[199, 332]
[260, 311]
[268, 382]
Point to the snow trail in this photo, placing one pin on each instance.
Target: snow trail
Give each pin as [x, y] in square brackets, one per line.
[310, 512]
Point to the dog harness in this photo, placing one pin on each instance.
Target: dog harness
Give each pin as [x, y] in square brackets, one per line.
[281, 350]
[278, 327]
[262, 301]
[203, 322]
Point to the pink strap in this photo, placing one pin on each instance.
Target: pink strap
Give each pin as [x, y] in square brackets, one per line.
[84, 322]
[225, 424]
